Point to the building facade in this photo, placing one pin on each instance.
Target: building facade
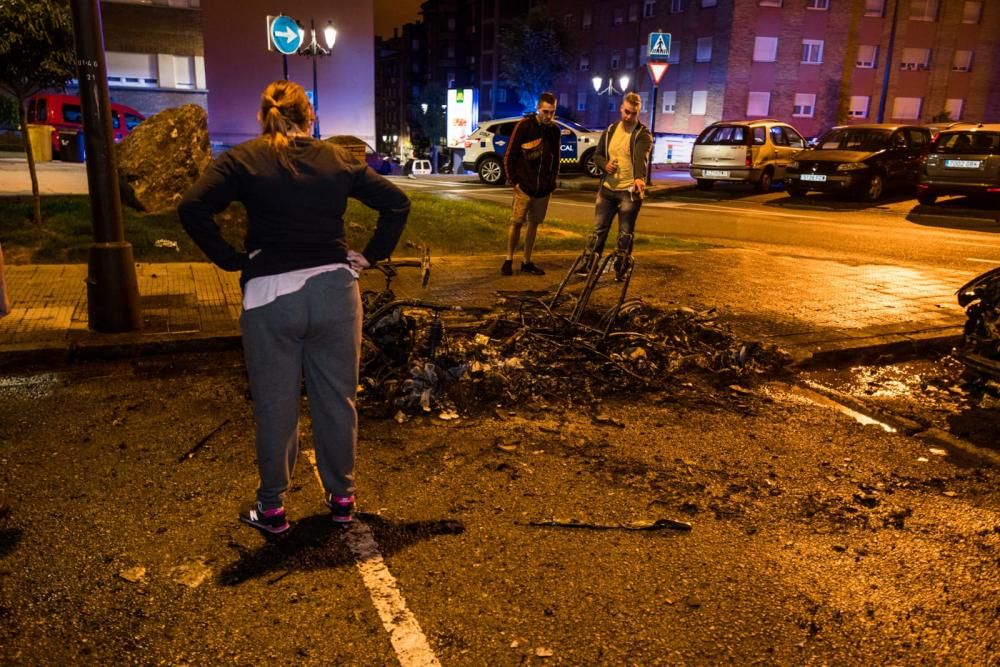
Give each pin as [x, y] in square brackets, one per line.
[812, 63]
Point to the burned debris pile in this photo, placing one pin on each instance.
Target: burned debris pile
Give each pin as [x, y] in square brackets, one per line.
[432, 360]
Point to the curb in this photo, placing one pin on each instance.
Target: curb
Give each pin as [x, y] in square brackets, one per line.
[68, 353]
[890, 350]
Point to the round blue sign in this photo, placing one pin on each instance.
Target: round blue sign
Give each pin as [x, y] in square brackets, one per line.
[285, 35]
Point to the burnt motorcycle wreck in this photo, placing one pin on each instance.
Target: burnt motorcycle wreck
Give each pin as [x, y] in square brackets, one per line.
[583, 341]
[980, 349]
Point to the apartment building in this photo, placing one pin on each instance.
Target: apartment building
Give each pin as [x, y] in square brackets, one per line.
[400, 72]
[155, 53]
[813, 63]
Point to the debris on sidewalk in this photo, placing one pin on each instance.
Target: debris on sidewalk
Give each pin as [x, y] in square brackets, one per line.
[201, 443]
[165, 243]
[639, 524]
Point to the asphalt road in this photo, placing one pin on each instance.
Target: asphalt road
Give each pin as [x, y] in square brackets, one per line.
[814, 540]
[955, 234]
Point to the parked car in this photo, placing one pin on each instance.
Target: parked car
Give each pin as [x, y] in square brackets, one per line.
[938, 128]
[484, 149]
[362, 151]
[860, 159]
[64, 113]
[962, 161]
[421, 168]
[744, 151]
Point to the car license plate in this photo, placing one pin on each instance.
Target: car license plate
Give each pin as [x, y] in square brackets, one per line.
[715, 173]
[813, 177]
[962, 164]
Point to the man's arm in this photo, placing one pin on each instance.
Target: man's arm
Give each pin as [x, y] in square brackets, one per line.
[514, 154]
[209, 196]
[601, 152]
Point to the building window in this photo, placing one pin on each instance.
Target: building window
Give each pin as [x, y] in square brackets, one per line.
[644, 102]
[867, 56]
[451, 51]
[564, 99]
[709, 3]
[699, 102]
[581, 101]
[141, 69]
[805, 105]
[758, 104]
[953, 107]
[676, 6]
[502, 95]
[630, 58]
[812, 51]
[906, 108]
[669, 101]
[619, 17]
[923, 10]
[584, 63]
[451, 24]
[821, 5]
[962, 61]
[874, 8]
[568, 20]
[704, 50]
[765, 49]
[612, 104]
[769, 3]
[915, 59]
[649, 9]
[859, 106]
[616, 57]
[588, 18]
[674, 56]
[971, 12]
[633, 13]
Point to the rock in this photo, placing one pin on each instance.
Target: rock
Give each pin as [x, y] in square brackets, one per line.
[133, 574]
[162, 157]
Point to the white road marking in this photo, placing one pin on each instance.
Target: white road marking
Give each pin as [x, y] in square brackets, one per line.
[983, 261]
[969, 243]
[408, 640]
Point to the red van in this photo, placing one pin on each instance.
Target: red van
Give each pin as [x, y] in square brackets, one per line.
[63, 113]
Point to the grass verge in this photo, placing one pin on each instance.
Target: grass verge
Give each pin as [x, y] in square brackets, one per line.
[449, 225]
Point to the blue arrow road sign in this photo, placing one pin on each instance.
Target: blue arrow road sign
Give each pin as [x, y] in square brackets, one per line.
[284, 34]
[659, 44]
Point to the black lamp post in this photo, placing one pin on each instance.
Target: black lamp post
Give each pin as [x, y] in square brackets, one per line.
[313, 50]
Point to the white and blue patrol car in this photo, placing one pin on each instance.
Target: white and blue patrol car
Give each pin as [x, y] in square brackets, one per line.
[484, 149]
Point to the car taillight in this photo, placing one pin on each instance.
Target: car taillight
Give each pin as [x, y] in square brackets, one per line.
[749, 157]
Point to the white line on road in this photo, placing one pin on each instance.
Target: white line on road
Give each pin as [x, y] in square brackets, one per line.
[405, 634]
[976, 245]
[983, 261]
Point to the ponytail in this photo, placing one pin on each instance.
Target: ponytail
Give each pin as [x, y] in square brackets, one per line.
[284, 108]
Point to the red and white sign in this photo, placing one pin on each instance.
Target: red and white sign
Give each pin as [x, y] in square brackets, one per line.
[656, 71]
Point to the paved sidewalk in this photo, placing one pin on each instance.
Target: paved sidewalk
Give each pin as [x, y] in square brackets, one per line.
[817, 310]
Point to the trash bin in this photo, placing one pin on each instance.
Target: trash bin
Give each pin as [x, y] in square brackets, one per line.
[71, 147]
[40, 138]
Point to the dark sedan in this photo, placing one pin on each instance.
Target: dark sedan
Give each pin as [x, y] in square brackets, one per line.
[863, 160]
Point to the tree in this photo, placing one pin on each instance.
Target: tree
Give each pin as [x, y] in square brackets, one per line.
[36, 54]
[429, 114]
[536, 49]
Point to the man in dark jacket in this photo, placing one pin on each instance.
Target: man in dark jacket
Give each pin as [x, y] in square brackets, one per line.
[532, 165]
[623, 155]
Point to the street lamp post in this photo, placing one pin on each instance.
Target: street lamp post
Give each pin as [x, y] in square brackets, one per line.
[313, 50]
[598, 82]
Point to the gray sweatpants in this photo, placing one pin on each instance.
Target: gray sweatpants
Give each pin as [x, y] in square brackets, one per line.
[315, 331]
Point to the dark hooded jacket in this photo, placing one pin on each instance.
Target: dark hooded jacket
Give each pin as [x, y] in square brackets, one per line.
[532, 158]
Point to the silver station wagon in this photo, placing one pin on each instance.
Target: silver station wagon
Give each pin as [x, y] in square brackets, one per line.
[744, 151]
[963, 161]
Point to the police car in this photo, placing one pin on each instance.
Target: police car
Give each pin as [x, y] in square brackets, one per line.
[484, 149]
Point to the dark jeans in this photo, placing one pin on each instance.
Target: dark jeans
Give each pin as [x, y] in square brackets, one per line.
[610, 202]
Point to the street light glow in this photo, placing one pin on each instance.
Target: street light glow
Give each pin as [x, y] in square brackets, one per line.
[597, 83]
[623, 82]
[330, 34]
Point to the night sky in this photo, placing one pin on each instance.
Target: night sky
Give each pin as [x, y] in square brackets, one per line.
[391, 14]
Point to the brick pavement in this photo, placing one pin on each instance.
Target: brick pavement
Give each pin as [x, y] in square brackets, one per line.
[812, 307]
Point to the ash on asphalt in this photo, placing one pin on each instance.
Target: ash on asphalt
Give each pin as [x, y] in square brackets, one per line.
[937, 392]
[815, 540]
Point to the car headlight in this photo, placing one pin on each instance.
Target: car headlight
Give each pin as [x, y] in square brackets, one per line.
[851, 166]
[794, 164]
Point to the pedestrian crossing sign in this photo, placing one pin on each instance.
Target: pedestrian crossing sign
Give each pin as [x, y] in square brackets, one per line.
[659, 45]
